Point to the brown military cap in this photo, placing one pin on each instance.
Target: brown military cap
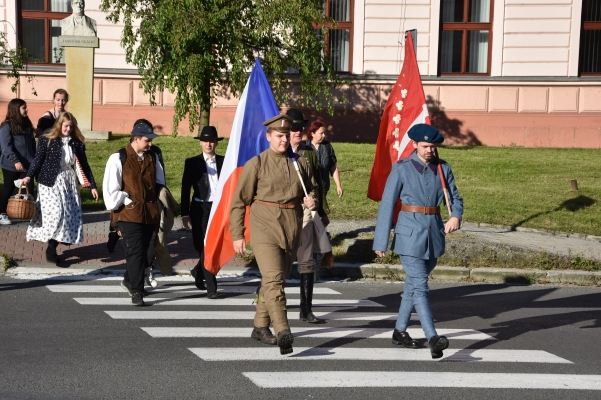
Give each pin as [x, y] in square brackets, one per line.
[280, 123]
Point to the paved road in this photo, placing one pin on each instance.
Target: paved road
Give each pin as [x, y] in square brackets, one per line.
[81, 340]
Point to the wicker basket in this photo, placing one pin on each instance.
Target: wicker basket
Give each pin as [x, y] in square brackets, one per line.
[20, 208]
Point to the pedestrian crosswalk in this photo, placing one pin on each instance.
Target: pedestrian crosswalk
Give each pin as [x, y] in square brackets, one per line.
[349, 323]
[313, 332]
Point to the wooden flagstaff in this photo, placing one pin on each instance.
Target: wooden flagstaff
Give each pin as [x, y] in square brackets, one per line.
[444, 184]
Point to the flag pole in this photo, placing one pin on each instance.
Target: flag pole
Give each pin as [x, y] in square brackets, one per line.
[300, 178]
[443, 183]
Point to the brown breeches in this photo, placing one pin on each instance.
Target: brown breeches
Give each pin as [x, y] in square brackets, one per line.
[275, 264]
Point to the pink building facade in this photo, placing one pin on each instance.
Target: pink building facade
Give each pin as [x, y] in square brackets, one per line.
[495, 72]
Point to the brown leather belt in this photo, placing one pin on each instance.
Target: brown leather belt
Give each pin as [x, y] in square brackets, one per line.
[278, 205]
[420, 209]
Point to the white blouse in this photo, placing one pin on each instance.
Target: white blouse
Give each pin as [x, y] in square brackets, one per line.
[67, 156]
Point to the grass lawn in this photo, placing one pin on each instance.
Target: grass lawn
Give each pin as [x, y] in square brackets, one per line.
[508, 185]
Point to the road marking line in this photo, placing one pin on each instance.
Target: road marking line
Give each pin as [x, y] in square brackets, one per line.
[67, 288]
[423, 379]
[245, 315]
[376, 354]
[203, 301]
[312, 332]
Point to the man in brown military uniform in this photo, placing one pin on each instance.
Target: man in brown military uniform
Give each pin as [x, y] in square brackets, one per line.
[271, 186]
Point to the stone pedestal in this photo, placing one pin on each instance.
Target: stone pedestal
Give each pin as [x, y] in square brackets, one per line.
[79, 56]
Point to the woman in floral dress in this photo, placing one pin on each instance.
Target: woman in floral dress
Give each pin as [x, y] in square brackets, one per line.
[58, 217]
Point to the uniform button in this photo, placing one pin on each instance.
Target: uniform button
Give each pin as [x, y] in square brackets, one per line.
[428, 198]
[427, 183]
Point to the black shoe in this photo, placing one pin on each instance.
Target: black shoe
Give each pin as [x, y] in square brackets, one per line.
[137, 299]
[51, 255]
[200, 285]
[437, 345]
[403, 339]
[213, 296]
[264, 335]
[127, 287]
[285, 340]
[310, 318]
[112, 242]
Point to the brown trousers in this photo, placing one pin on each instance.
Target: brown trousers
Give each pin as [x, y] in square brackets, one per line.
[275, 264]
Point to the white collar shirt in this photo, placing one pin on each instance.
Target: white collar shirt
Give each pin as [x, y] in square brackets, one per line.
[211, 164]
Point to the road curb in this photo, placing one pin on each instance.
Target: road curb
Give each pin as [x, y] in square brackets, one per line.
[385, 272]
[463, 274]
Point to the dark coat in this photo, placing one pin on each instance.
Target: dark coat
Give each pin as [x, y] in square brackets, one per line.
[195, 176]
[46, 164]
[16, 148]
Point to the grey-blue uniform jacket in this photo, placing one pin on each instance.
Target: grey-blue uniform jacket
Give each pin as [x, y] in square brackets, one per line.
[417, 235]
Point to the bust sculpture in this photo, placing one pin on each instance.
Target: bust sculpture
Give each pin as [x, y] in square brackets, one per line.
[78, 24]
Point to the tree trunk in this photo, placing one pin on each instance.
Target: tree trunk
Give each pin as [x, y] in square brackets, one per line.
[205, 113]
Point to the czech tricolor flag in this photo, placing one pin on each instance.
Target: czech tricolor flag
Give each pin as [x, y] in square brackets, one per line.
[247, 140]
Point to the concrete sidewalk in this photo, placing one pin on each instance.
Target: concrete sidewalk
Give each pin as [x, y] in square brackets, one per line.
[91, 257]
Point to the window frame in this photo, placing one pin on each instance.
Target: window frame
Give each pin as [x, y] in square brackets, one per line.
[465, 27]
[46, 16]
[587, 26]
[340, 25]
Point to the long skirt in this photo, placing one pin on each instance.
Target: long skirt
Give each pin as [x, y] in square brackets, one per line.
[58, 214]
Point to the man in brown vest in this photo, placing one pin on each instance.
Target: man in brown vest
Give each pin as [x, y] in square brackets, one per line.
[131, 193]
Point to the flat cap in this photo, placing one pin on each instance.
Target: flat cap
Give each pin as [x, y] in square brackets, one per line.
[425, 133]
[280, 123]
[143, 130]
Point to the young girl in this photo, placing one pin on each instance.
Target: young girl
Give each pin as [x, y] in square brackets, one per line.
[46, 122]
[58, 216]
[18, 150]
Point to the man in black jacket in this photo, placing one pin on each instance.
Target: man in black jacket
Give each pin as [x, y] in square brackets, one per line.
[201, 173]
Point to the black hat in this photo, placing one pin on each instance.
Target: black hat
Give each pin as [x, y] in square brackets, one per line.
[425, 133]
[143, 130]
[298, 119]
[208, 134]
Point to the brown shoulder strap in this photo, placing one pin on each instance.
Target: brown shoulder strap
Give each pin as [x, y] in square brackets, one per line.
[258, 165]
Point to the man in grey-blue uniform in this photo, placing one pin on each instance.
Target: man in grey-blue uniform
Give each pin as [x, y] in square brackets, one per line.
[419, 233]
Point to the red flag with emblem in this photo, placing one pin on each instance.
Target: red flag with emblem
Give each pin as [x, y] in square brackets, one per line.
[406, 106]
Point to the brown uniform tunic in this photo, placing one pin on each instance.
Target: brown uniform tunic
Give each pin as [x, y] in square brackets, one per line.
[275, 232]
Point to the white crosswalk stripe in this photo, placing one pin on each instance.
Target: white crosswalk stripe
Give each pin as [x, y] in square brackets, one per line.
[312, 332]
[66, 288]
[202, 301]
[359, 329]
[375, 354]
[246, 315]
[423, 379]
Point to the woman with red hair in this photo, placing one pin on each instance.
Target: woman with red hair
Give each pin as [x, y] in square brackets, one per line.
[325, 156]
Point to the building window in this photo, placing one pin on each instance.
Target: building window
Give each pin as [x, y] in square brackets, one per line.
[339, 40]
[590, 38]
[40, 26]
[466, 37]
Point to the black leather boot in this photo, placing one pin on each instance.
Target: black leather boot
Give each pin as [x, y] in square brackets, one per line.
[403, 339]
[306, 289]
[437, 345]
[51, 255]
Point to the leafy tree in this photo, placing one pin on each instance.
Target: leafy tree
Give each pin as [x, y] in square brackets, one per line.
[14, 61]
[200, 48]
